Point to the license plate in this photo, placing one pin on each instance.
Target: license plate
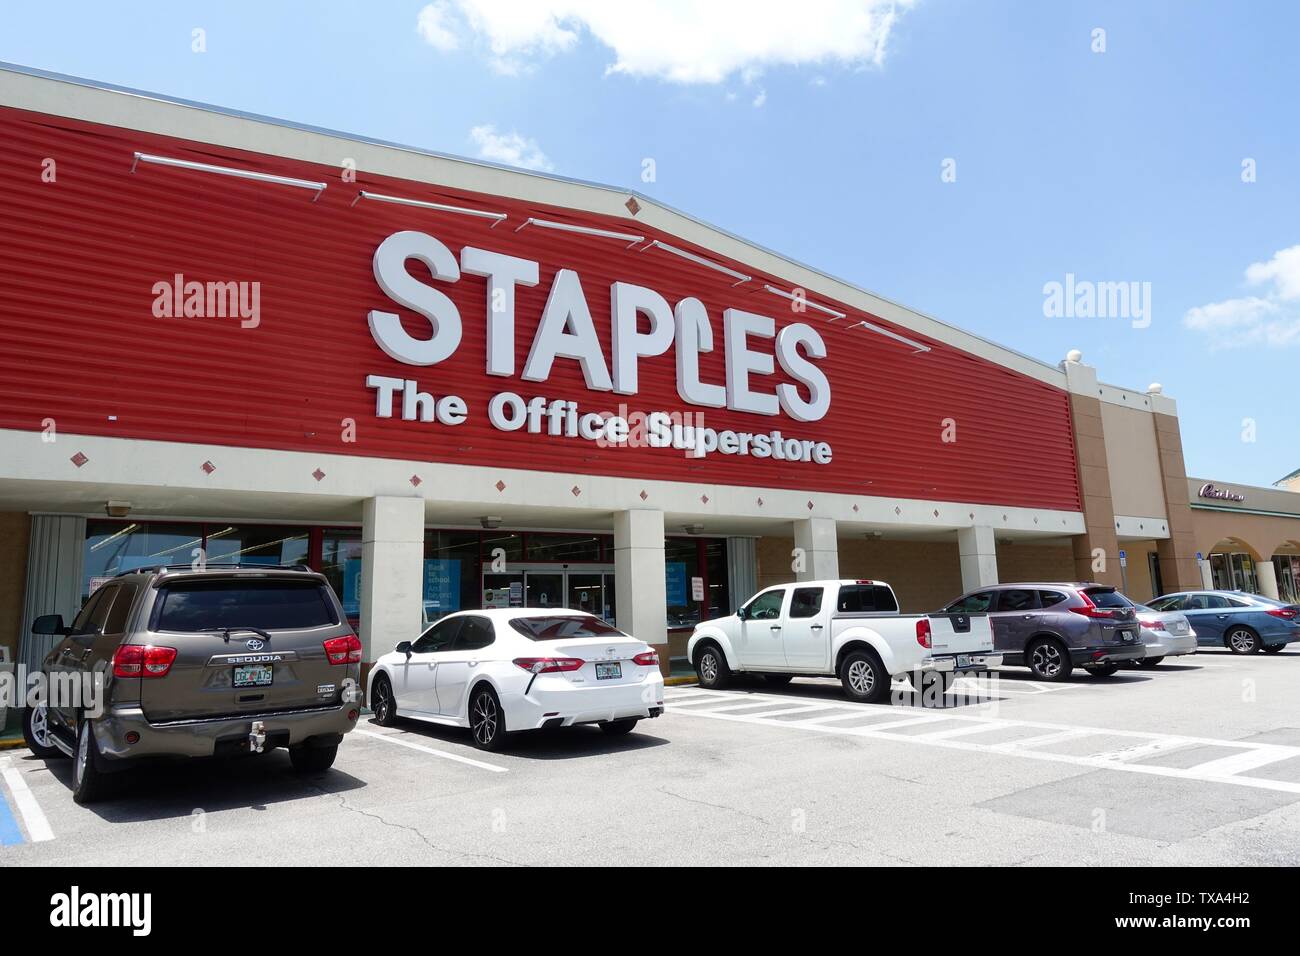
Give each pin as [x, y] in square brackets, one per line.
[253, 675]
[1126, 636]
[963, 660]
[609, 671]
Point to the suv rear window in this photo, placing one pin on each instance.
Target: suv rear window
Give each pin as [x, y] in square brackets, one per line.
[269, 605]
[1107, 597]
[558, 627]
[864, 598]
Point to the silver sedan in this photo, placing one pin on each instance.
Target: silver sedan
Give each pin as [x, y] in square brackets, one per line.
[1164, 634]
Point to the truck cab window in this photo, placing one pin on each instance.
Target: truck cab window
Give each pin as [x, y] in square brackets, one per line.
[806, 602]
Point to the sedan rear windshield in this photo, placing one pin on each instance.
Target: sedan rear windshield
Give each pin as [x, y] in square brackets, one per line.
[268, 605]
[1107, 597]
[559, 627]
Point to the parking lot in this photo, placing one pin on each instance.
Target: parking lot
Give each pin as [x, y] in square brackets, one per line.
[1195, 762]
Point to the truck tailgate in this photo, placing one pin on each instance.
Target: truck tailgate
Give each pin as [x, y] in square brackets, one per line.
[960, 634]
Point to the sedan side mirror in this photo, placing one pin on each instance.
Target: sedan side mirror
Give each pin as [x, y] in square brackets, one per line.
[404, 648]
[49, 624]
[740, 613]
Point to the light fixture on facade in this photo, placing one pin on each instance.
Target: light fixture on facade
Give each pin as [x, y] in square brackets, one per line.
[315, 187]
[490, 521]
[627, 237]
[915, 346]
[693, 528]
[496, 217]
[812, 305]
[117, 509]
[740, 277]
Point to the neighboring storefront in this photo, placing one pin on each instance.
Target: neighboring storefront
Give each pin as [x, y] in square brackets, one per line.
[450, 385]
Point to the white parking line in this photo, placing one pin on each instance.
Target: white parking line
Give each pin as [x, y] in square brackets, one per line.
[1226, 770]
[38, 828]
[396, 739]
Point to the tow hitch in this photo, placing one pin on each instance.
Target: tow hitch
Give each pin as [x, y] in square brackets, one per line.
[257, 736]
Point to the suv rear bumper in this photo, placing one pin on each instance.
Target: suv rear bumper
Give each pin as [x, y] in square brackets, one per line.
[210, 736]
[1107, 654]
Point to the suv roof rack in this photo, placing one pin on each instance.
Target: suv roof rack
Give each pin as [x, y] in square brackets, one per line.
[213, 565]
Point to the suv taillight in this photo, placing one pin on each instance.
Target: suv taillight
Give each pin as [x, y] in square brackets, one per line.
[1091, 610]
[923, 632]
[648, 659]
[142, 660]
[548, 665]
[343, 650]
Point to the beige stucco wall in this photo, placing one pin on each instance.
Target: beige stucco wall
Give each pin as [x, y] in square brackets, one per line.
[1133, 459]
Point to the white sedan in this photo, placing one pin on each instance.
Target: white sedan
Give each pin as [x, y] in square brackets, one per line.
[503, 670]
[1164, 634]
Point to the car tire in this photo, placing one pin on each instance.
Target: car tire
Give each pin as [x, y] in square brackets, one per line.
[1274, 648]
[36, 733]
[711, 670]
[308, 759]
[864, 677]
[89, 783]
[383, 704]
[1149, 662]
[619, 728]
[1103, 670]
[1048, 659]
[487, 722]
[778, 680]
[1241, 640]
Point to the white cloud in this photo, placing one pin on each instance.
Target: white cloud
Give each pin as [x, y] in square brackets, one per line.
[760, 99]
[1283, 270]
[434, 26]
[1270, 319]
[682, 41]
[509, 148]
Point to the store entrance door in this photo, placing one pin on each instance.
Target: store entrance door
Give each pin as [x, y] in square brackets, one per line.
[589, 589]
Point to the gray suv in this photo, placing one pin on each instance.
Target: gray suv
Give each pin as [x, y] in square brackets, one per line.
[1053, 628]
[175, 662]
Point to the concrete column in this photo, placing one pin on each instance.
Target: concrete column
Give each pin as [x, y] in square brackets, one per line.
[1266, 575]
[1207, 576]
[1094, 478]
[977, 551]
[641, 600]
[816, 538]
[392, 573]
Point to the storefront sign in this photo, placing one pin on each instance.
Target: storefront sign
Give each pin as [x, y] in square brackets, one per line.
[567, 331]
[1222, 494]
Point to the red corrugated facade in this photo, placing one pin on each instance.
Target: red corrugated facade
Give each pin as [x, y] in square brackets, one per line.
[81, 345]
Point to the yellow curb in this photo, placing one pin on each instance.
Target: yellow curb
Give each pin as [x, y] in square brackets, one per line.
[16, 743]
[680, 681]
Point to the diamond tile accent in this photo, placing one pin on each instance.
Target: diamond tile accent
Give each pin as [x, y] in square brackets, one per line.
[633, 206]
[644, 495]
[415, 480]
[78, 459]
[501, 485]
[207, 468]
[704, 499]
[810, 506]
[318, 474]
[760, 502]
[576, 491]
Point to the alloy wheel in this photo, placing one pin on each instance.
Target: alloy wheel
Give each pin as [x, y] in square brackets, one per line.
[1242, 640]
[83, 753]
[709, 667]
[383, 701]
[1047, 660]
[41, 726]
[485, 718]
[862, 678]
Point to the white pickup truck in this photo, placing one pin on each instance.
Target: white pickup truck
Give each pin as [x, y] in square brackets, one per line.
[846, 629]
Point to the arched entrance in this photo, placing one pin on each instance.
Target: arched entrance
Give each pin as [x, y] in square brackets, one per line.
[1286, 564]
[1232, 566]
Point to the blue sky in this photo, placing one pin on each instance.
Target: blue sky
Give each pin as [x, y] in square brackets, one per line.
[823, 134]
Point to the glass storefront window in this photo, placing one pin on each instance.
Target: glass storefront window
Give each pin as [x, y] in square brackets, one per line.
[1288, 576]
[340, 562]
[1243, 573]
[115, 546]
[451, 572]
[719, 590]
[509, 543]
[681, 564]
[257, 544]
[563, 547]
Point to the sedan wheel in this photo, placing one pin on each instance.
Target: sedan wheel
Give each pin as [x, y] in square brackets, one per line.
[1242, 640]
[486, 722]
[382, 705]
